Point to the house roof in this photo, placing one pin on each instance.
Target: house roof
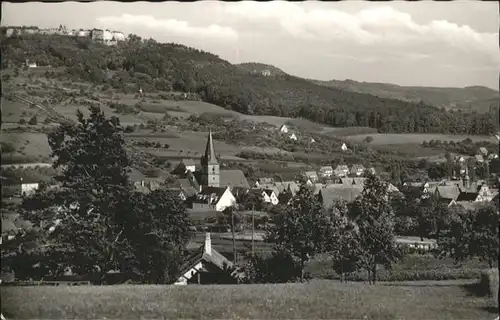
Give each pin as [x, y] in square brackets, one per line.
[135, 175]
[310, 173]
[357, 167]
[265, 180]
[342, 167]
[233, 178]
[199, 255]
[469, 205]
[210, 195]
[186, 186]
[269, 192]
[326, 168]
[340, 192]
[355, 181]
[467, 196]
[448, 192]
[284, 185]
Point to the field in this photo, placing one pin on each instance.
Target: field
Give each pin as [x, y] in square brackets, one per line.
[412, 138]
[313, 300]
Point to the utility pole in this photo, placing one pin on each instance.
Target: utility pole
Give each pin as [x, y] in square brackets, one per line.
[253, 229]
[232, 230]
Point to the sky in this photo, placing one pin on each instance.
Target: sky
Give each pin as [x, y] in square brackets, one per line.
[425, 43]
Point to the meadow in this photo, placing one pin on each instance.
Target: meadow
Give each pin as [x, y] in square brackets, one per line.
[318, 299]
[412, 138]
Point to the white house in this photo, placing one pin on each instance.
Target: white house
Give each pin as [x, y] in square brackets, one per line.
[357, 170]
[29, 188]
[341, 170]
[284, 129]
[293, 137]
[270, 196]
[187, 165]
[214, 198]
[312, 140]
[326, 171]
[311, 175]
[343, 147]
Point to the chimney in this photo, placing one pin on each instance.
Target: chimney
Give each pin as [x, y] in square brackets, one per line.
[208, 244]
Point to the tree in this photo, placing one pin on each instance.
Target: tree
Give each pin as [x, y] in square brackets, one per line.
[159, 226]
[93, 222]
[374, 218]
[302, 230]
[471, 234]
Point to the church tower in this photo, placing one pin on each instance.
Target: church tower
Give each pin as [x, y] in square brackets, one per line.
[210, 165]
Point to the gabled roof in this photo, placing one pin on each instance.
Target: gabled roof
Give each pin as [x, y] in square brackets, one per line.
[269, 192]
[285, 185]
[448, 192]
[233, 178]
[342, 167]
[310, 173]
[467, 196]
[210, 195]
[469, 205]
[200, 254]
[186, 186]
[265, 180]
[340, 192]
[326, 168]
[351, 181]
[357, 167]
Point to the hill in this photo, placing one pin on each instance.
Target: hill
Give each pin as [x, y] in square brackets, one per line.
[473, 98]
[153, 66]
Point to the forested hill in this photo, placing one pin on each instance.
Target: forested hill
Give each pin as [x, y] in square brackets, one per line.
[155, 66]
[474, 98]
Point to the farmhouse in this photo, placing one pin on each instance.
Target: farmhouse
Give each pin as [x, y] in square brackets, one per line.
[214, 198]
[339, 193]
[293, 137]
[287, 186]
[341, 170]
[448, 192]
[343, 147]
[326, 171]
[270, 196]
[357, 170]
[284, 129]
[311, 175]
[207, 266]
[187, 165]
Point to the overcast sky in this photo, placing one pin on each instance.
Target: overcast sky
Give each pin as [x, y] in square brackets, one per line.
[451, 44]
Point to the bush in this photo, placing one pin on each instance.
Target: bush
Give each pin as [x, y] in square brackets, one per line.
[22, 121]
[489, 283]
[7, 147]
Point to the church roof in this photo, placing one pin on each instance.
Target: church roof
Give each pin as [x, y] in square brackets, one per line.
[210, 157]
[233, 178]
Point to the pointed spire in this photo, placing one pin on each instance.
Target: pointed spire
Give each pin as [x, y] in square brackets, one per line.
[210, 156]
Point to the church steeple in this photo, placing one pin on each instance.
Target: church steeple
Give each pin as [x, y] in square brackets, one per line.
[210, 164]
[209, 157]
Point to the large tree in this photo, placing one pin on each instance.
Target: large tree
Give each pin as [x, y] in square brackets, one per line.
[471, 233]
[374, 218]
[303, 229]
[92, 222]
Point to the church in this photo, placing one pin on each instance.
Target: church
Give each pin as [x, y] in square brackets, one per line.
[209, 187]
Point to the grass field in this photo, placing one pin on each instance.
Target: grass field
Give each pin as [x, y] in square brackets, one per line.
[313, 300]
[414, 138]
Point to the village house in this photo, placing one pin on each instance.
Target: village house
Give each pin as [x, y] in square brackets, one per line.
[186, 165]
[23, 187]
[312, 140]
[265, 181]
[357, 170]
[207, 266]
[287, 186]
[293, 137]
[213, 198]
[326, 171]
[344, 147]
[311, 175]
[341, 170]
[284, 129]
[266, 195]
